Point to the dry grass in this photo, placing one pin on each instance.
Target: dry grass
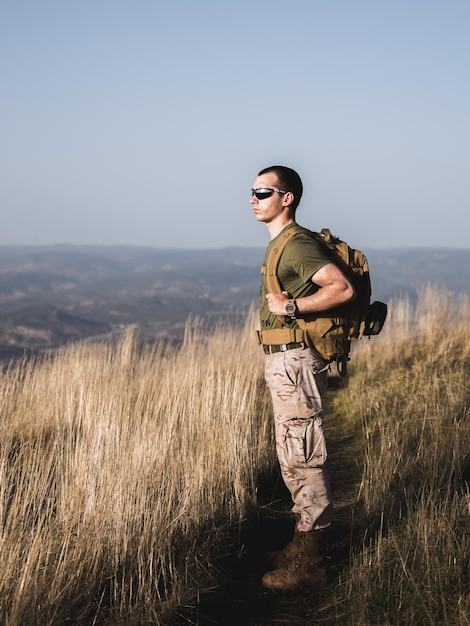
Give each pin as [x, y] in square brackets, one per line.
[410, 391]
[124, 467]
[121, 469]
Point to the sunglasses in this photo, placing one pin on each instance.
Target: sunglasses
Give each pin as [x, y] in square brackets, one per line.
[263, 193]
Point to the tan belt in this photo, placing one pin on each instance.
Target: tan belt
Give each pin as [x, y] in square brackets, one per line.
[280, 336]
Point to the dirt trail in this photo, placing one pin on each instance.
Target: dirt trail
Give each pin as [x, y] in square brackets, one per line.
[241, 600]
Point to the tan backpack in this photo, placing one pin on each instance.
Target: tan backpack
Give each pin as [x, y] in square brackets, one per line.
[331, 332]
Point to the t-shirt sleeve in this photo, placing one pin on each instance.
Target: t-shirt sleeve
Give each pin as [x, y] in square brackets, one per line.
[305, 256]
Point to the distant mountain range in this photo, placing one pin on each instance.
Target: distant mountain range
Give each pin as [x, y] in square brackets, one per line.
[50, 295]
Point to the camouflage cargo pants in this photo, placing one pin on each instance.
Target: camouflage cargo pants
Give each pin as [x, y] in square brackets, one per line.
[297, 379]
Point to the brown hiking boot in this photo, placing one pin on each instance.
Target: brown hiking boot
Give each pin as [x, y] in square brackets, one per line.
[280, 558]
[306, 567]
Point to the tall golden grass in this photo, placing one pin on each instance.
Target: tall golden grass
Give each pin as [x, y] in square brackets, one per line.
[123, 468]
[120, 468]
[410, 391]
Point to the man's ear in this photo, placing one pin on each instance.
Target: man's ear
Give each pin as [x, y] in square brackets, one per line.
[288, 198]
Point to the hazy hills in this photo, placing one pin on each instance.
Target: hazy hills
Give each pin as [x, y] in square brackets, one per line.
[53, 294]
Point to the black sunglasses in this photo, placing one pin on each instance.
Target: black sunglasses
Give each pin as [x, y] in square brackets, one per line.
[264, 192]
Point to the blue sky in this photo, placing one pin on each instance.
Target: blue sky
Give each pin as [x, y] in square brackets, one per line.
[145, 122]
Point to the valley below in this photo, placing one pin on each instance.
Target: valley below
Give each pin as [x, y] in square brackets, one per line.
[51, 295]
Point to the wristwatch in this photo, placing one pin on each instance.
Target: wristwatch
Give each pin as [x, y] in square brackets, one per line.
[291, 308]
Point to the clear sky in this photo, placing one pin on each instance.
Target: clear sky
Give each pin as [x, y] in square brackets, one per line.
[145, 122]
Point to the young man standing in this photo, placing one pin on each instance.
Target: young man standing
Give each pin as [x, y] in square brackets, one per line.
[296, 375]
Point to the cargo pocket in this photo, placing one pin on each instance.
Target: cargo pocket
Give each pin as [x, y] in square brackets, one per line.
[305, 443]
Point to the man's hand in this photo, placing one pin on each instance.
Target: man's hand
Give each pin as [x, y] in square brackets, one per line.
[334, 290]
[277, 302]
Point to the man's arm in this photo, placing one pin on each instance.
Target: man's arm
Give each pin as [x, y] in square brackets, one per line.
[335, 289]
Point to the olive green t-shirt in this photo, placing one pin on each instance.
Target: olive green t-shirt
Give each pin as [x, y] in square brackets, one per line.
[302, 257]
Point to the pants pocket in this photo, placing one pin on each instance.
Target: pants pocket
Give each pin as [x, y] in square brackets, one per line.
[305, 443]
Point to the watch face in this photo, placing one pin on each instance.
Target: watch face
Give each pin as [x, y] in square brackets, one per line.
[290, 308]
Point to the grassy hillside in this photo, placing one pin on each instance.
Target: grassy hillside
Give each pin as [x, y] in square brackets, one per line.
[410, 396]
[128, 471]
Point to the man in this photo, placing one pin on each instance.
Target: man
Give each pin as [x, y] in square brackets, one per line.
[296, 375]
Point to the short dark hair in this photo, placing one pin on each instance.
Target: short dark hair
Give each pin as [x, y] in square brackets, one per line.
[288, 180]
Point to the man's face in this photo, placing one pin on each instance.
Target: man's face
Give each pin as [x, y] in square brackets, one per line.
[268, 209]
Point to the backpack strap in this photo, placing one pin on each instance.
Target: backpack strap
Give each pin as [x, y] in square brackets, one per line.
[280, 334]
[277, 336]
[274, 256]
